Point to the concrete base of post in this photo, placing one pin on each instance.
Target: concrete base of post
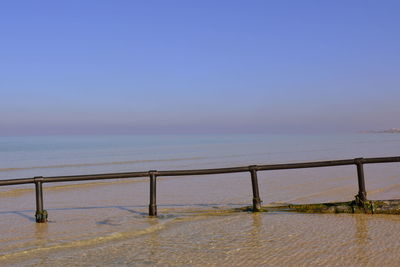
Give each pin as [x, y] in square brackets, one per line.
[152, 210]
[41, 216]
[256, 204]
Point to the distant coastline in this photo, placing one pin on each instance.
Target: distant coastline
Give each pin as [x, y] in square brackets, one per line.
[392, 131]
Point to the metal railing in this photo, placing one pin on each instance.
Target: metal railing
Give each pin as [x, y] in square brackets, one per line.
[41, 214]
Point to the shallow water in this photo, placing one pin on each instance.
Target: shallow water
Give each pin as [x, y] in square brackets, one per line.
[105, 224]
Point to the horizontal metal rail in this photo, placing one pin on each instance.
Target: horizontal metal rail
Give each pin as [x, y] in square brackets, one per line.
[301, 165]
[41, 214]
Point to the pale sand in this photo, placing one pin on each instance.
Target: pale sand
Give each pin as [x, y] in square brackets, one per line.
[105, 224]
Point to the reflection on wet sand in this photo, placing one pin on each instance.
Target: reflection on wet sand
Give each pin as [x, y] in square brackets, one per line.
[198, 237]
[361, 236]
[107, 224]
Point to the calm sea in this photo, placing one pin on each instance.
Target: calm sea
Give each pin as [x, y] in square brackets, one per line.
[105, 224]
[59, 155]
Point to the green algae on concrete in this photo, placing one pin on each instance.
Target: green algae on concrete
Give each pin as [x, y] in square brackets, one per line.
[386, 206]
[355, 206]
[338, 207]
[41, 216]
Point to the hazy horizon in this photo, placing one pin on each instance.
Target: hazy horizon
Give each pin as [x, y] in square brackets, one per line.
[205, 67]
[178, 132]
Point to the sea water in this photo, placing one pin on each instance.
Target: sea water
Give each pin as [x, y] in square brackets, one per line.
[105, 223]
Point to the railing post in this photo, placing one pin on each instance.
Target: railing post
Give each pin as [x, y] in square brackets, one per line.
[362, 193]
[41, 214]
[153, 204]
[254, 184]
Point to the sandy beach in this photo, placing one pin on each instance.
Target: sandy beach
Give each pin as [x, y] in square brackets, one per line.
[105, 223]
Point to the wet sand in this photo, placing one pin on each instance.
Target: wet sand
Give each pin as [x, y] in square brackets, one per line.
[106, 223]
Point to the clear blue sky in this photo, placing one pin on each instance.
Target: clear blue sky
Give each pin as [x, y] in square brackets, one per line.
[198, 66]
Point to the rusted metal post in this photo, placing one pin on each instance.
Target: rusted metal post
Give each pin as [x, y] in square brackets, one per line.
[256, 193]
[41, 214]
[362, 193]
[153, 205]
